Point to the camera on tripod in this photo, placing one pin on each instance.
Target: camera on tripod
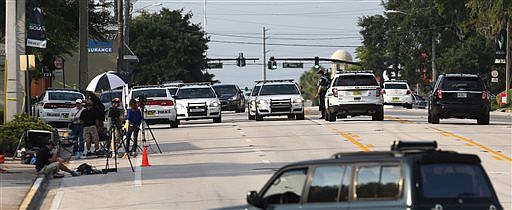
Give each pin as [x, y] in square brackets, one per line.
[143, 99]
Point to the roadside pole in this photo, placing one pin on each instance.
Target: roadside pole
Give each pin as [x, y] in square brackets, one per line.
[12, 61]
[84, 56]
[264, 54]
[120, 36]
[507, 58]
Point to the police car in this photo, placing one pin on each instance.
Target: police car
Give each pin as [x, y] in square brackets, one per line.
[159, 107]
[197, 101]
[413, 175]
[53, 105]
[251, 101]
[277, 98]
[354, 94]
[397, 93]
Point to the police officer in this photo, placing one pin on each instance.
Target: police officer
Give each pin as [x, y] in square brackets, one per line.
[322, 84]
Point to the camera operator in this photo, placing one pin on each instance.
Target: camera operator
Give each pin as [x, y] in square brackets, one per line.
[49, 164]
[116, 113]
[134, 119]
[77, 127]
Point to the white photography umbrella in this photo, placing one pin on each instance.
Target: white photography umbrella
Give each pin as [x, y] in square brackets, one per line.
[105, 81]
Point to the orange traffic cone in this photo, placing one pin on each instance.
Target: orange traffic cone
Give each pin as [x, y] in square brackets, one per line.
[145, 161]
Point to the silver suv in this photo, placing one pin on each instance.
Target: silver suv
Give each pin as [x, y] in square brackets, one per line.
[277, 98]
[354, 94]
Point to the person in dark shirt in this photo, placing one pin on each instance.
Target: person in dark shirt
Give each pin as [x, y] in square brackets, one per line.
[49, 164]
[91, 125]
[134, 118]
[322, 84]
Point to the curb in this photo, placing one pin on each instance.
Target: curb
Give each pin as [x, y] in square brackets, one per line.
[35, 195]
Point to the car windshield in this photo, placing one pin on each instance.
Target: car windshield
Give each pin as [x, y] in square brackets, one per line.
[108, 96]
[462, 84]
[395, 86]
[225, 89]
[255, 90]
[172, 91]
[188, 93]
[465, 180]
[355, 80]
[64, 96]
[279, 89]
[150, 93]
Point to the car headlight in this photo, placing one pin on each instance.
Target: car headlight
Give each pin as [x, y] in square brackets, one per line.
[298, 101]
[214, 104]
[233, 98]
[253, 103]
[262, 102]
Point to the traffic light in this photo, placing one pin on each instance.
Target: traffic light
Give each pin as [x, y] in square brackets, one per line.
[272, 64]
[240, 61]
[317, 62]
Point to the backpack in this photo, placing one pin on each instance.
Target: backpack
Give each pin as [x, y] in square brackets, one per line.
[87, 169]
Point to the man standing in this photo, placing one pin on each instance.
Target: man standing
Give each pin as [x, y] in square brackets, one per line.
[133, 118]
[77, 126]
[91, 125]
[116, 113]
[49, 164]
[322, 84]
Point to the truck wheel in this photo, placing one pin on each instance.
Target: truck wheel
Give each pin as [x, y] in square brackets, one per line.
[291, 116]
[217, 119]
[408, 106]
[259, 118]
[483, 120]
[299, 116]
[379, 115]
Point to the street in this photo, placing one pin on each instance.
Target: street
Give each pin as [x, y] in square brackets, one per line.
[207, 166]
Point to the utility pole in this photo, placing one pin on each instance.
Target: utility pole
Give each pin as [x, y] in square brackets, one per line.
[20, 50]
[120, 36]
[127, 19]
[508, 58]
[434, 70]
[83, 63]
[264, 54]
[12, 61]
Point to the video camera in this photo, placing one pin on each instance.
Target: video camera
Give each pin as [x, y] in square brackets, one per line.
[143, 99]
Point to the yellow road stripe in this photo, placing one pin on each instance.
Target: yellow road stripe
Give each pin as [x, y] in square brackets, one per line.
[474, 143]
[355, 142]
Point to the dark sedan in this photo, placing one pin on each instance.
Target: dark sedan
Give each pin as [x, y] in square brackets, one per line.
[231, 97]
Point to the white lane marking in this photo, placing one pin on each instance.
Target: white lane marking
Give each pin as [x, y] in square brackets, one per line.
[266, 161]
[248, 140]
[137, 179]
[57, 200]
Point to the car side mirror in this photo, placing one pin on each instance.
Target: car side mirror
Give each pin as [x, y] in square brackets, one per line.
[253, 199]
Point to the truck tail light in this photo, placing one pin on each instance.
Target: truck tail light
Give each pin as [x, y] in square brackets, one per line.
[408, 92]
[379, 91]
[335, 92]
[439, 93]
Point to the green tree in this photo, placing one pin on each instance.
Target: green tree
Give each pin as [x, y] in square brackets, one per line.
[308, 83]
[169, 47]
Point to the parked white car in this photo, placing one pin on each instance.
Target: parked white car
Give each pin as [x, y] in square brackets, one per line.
[198, 101]
[53, 105]
[278, 98]
[251, 101]
[397, 93]
[354, 94]
[160, 106]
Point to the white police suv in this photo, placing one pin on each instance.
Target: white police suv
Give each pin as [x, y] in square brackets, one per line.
[159, 107]
[53, 105]
[197, 101]
[397, 93]
[277, 98]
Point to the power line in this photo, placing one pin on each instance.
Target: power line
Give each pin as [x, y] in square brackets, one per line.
[283, 44]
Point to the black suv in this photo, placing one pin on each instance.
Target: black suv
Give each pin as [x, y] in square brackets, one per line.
[413, 175]
[231, 97]
[459, 96]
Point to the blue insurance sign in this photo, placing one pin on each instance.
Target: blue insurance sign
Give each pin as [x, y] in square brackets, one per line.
[95, 46]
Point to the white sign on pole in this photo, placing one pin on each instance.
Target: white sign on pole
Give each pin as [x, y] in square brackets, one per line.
[494, 79]
[504, 99]
[494, 73]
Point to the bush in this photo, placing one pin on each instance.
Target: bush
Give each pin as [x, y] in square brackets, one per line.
[11, 132]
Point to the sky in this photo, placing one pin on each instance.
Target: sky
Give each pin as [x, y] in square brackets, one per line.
[295, 28]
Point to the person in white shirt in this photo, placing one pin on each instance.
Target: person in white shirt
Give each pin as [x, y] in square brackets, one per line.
[77, 126]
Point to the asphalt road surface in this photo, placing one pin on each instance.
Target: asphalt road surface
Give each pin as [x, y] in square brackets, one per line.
[206, 165]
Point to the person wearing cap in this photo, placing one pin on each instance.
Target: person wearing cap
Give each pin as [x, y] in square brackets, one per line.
[48, 163]
[77, 127]
[322, 84]
[91, 126]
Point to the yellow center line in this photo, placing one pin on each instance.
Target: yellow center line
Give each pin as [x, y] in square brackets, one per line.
[474, 143]
[350, 138]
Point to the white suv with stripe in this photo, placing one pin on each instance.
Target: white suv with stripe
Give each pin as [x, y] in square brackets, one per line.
[397, 93]
[354, 94]
[160, 106]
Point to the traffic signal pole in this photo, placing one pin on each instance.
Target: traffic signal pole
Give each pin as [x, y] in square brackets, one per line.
[508, 55]
[264, 54]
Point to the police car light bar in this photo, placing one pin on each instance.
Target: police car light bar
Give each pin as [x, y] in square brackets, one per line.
[274, 80]
[196, 83]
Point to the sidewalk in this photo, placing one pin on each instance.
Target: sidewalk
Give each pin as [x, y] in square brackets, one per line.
[15, 183]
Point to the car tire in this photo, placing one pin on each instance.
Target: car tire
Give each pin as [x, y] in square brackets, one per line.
[249, 116]
[174, 124]
[299, 116]
[379, 115]
[259, 118]
[217, 119]
[483, 120]
[408, 106]
[429, 117]
[291, 116]
[434, 119]
[329, 116]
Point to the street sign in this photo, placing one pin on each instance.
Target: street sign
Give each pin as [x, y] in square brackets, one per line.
[499, 61]
[494, 80]
[214, 65]
[131, 58]
[494, 73]
[293, 65]
[501, 43]
[58, 63]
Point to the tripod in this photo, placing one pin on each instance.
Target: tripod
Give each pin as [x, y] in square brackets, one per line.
[146, 126]
[113, 130]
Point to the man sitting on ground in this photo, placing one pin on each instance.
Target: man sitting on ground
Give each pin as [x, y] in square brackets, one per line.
[49, 164]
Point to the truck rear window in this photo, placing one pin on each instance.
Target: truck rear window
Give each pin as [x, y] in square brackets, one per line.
[355, 80]
[462, 84]
[395, 86]
[64, 96]
[454, 180]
